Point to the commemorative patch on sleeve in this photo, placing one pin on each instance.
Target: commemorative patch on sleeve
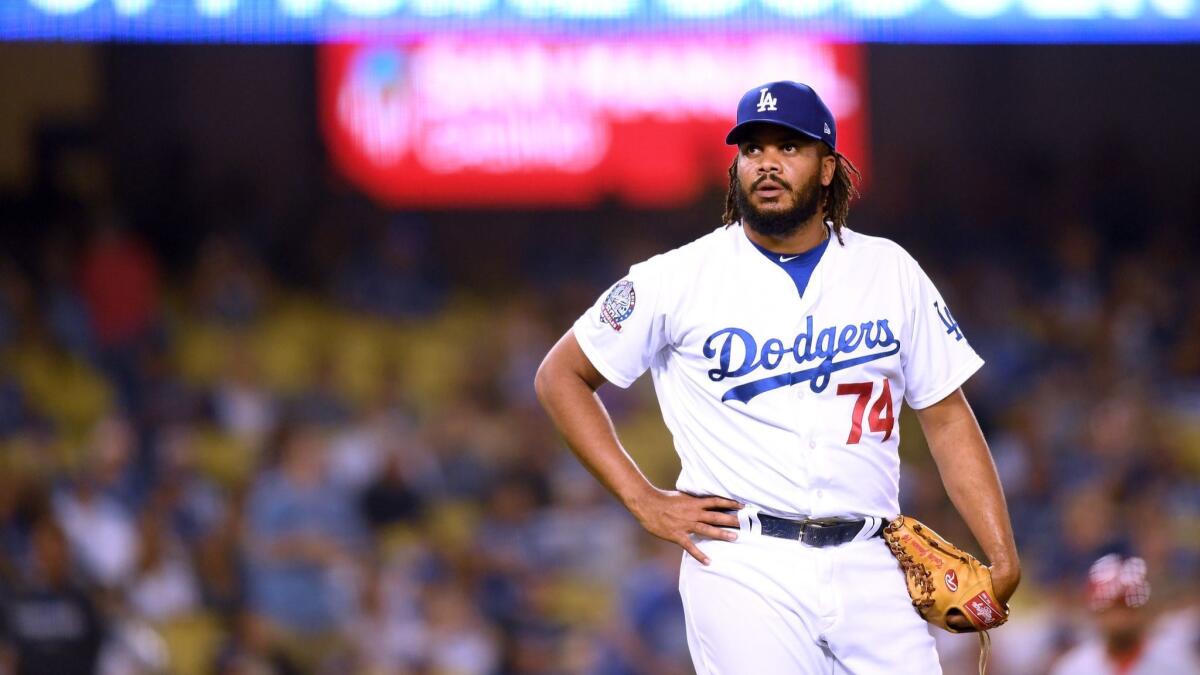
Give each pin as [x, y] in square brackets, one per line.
[618, 306]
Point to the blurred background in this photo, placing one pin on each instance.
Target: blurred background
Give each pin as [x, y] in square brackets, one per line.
[275, 278]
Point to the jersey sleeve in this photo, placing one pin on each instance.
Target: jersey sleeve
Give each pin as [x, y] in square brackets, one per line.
[625, 329]
[938, 358]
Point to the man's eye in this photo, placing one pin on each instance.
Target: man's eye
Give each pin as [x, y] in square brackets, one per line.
[789, 147]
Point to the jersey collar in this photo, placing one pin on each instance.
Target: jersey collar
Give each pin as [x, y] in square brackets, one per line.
[816, 282]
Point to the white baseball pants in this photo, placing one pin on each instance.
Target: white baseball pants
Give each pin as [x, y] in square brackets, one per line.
[768, 606]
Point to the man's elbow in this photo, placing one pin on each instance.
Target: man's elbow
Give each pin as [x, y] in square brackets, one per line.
[564, 371]
[542, 381]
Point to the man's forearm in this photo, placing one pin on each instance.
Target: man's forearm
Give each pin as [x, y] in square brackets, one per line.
[970, 478]
[581, 418]
[566, 385]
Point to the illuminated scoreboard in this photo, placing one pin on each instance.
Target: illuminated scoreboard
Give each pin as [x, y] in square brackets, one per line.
[843, 20]
[506, 121]
[511, 103]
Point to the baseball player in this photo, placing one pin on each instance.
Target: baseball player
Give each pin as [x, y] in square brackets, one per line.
[781, 346]
[1127, 641]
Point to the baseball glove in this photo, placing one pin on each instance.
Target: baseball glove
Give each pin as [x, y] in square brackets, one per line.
[943, 579]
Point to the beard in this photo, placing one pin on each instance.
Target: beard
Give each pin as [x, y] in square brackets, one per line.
[780, 223]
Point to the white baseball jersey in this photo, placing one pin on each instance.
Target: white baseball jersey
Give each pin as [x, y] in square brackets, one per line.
[1156, 656]
[785, 401]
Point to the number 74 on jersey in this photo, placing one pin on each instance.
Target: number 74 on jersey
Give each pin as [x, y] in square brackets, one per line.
[881, 419]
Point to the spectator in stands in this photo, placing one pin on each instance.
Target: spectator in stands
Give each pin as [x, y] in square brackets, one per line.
[1126, 643]
[392, 498]
[460, 641]
[120, 284]
[49, 625]
[164, 586]
[241, 402]
[302, 531]
[96, 507]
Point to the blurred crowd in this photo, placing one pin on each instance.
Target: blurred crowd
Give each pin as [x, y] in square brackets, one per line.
[230, 462]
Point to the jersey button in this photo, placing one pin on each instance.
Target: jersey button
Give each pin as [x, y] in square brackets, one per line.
[812, 444]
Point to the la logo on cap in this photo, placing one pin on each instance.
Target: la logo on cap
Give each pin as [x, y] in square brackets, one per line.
[765, 100]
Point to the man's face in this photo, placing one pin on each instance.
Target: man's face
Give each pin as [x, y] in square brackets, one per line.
[780, 175]
[1120, 624]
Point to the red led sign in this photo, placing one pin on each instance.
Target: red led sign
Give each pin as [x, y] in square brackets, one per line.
[447, 122]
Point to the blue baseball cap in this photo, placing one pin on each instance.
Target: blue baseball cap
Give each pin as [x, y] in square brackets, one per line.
[788, 104]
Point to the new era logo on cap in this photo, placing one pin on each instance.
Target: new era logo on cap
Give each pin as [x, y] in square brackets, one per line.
[790, 104]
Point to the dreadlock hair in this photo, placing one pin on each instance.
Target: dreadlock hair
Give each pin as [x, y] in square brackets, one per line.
[836, 196]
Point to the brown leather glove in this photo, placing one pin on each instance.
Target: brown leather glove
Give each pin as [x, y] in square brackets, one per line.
[943, 579]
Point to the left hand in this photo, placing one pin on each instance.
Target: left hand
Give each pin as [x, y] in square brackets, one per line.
[1003, 583]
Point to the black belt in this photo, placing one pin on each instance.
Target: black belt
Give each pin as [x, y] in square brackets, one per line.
[818, 532]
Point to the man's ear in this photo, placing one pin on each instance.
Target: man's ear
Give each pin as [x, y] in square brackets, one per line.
[828, 167]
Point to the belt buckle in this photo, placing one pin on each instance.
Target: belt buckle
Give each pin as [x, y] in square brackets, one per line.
[814, 531]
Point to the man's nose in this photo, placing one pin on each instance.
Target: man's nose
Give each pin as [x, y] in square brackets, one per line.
[768, 162]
